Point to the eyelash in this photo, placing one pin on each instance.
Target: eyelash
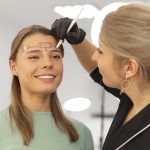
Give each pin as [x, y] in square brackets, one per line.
[57, 57]
[99, 51]
[34, 57]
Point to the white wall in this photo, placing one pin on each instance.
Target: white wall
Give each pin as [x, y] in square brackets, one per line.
[6, 34]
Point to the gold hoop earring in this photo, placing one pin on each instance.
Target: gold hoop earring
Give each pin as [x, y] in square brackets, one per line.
[125, 85]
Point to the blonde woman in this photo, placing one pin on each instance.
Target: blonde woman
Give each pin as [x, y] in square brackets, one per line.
[34, 119]
[121, 64]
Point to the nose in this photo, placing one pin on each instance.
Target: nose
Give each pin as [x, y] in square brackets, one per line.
[47, 62]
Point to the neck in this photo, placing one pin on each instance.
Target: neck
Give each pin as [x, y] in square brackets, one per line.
[35, 102]
[140, 98]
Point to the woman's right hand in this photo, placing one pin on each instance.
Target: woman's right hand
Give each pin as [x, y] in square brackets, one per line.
[74, 36]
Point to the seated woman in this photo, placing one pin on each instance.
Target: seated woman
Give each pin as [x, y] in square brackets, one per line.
[34, 119]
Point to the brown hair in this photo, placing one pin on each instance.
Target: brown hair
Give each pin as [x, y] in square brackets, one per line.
[18, 112]
[126, 32]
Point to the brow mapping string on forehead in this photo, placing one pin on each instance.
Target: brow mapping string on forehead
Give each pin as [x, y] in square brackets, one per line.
[45, 45]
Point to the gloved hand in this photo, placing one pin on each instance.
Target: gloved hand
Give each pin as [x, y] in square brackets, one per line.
[74, 36]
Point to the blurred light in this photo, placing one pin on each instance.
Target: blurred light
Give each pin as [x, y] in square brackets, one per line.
[97, 22]
[77, 104]
[88, 12]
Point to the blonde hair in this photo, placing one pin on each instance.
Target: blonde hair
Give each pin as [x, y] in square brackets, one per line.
[126, 32]
[18, 113]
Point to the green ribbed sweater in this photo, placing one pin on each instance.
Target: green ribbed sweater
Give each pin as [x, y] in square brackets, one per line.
[46, 135]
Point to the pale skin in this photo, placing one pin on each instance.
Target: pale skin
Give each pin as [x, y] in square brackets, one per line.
[114, 72]
[39, 70]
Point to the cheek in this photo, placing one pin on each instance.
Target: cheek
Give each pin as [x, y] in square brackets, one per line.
[26, 69]
[103, 66]
[60, 69]
[106, 69]
[59, 72]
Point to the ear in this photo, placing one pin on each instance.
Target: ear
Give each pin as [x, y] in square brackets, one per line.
[12, 66]
[131, 67]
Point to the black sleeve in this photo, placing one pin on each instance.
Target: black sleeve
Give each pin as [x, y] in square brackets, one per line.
[97, 77]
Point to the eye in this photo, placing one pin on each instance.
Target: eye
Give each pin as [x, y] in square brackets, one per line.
[56, 57]
[34, 57]
[99, 51]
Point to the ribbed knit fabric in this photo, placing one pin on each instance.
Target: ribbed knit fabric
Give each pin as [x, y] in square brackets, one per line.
[47, 136]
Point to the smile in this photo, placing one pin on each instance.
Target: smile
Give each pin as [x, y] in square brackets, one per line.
[45, 77]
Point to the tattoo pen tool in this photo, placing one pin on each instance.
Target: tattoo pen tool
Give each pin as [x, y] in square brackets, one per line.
[70, 26]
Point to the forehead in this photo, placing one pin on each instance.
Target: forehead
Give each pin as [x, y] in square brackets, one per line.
[39, 40]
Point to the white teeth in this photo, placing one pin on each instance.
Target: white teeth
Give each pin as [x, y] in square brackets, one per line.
[45, 77]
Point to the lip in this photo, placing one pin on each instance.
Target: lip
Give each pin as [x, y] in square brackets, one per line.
[50, 74]
[45, 79]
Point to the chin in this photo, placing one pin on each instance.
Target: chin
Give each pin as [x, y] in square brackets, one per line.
[49, 91]
[107, 83]
[46, 91]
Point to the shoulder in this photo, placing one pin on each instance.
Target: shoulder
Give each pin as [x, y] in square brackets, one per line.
[4, 114]
[4, 118]
[4, 124]
[81, 128]
[79, 125]
[85, 136]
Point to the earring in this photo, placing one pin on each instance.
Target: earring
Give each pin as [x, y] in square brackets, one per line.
[124, 85]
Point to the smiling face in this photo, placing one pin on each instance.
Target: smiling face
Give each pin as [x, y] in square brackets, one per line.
[38, 65]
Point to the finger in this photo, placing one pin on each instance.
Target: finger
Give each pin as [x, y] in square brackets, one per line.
[64, 27]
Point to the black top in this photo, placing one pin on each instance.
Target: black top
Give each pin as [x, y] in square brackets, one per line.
[135, 134]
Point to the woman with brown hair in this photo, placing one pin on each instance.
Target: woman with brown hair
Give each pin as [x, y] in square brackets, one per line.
[34, 119]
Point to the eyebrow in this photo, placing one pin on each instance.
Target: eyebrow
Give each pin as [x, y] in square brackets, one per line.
[56, 50]
[32, 51]
[98, 49]
[37, 51]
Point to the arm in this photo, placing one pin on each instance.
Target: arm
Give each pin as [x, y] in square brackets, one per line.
[84, 52]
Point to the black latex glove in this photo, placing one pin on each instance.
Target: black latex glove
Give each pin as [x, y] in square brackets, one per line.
[74, 36]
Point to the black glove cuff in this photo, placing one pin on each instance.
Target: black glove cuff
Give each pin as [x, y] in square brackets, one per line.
[82, 35]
